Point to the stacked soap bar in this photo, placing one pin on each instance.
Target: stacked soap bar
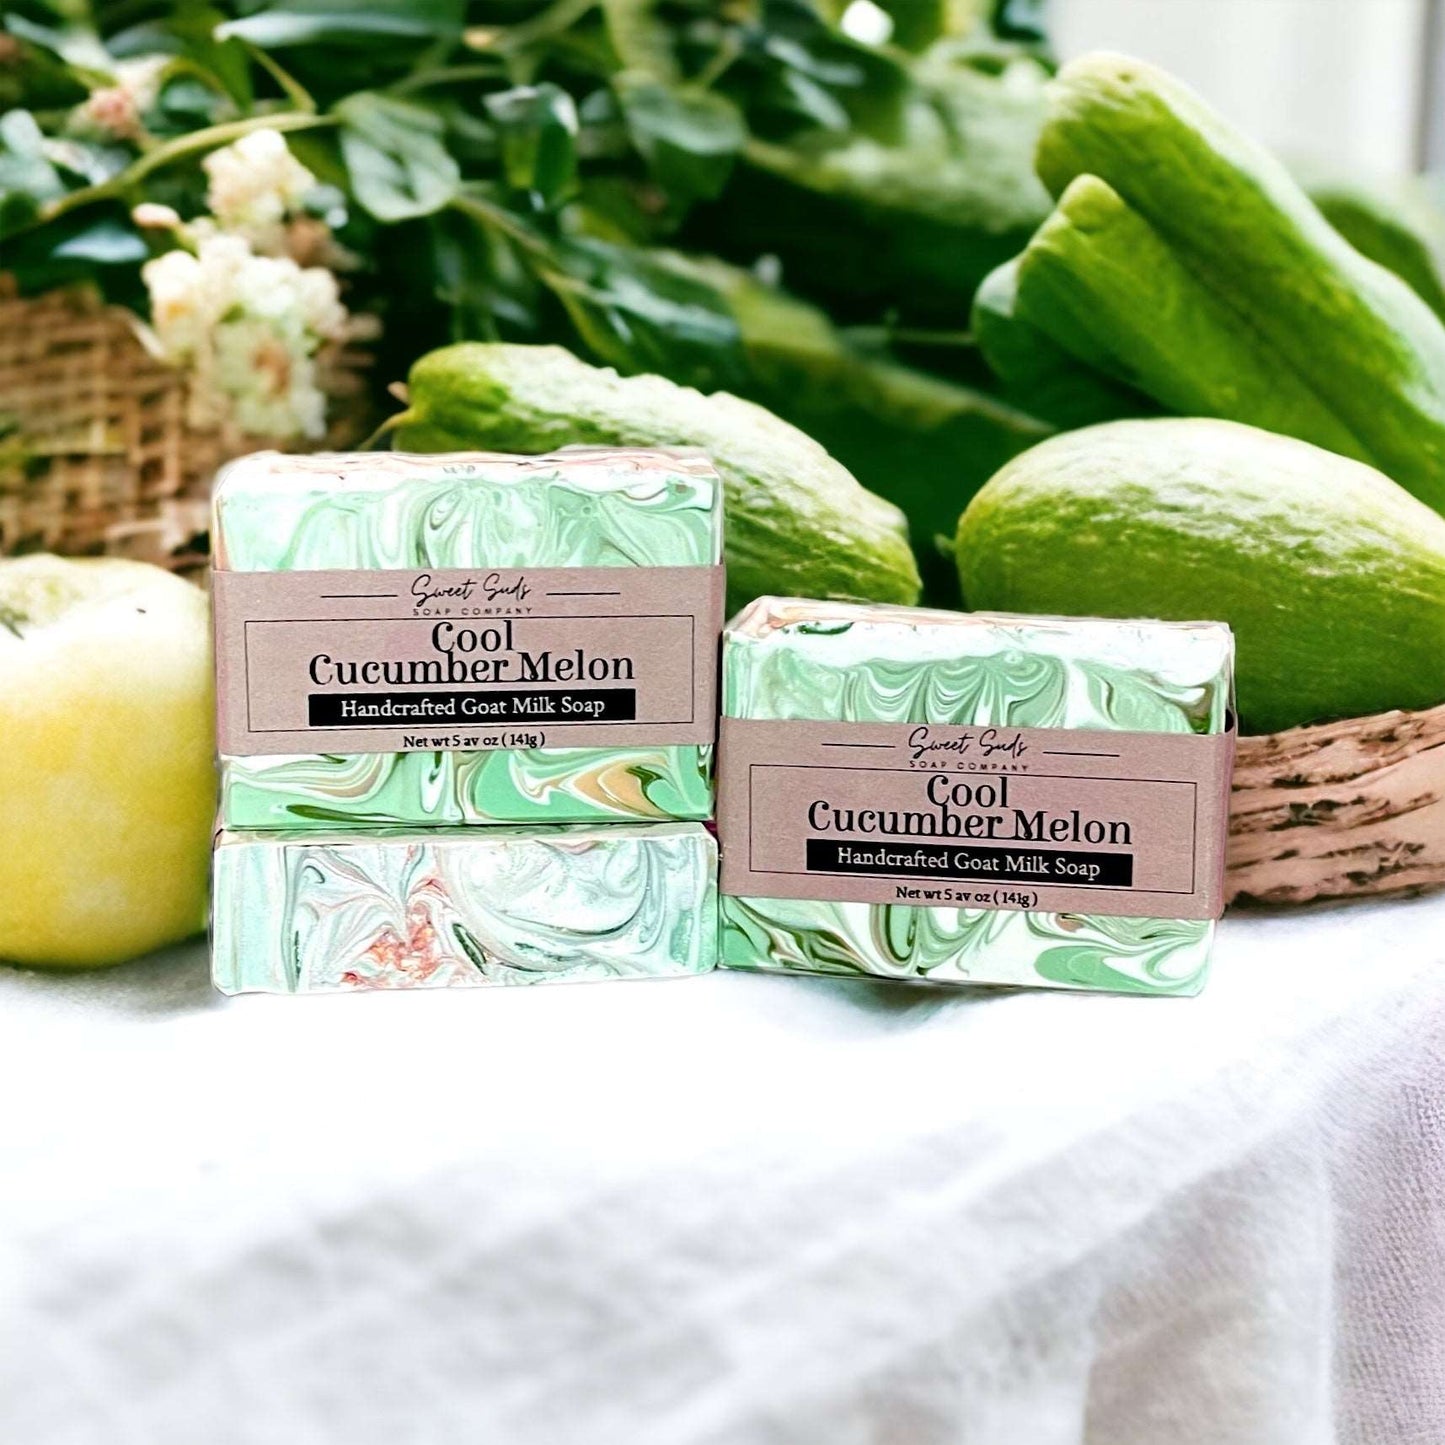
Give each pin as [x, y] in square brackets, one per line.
[903, 755]
[413, 522]
[304, 912]
[466, 706]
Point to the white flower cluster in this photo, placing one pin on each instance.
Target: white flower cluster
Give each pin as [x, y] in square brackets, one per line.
[248, 327]
[255, 186]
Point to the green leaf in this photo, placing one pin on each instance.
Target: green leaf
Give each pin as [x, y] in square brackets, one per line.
[37, 79]
[398, 166]
[913, 224]
[1023, 20]
[27, 178]
[637, 314]
[815, 68]
[809, 103]
[91, 163]
[480, 277]
[96, 244]
[188, 102]
[470, 137]
[538, 131]
[917, 23]
[689, 139]
[106, 242]
[823, 56]
[74, 42]
[640, 38]
[314, 22]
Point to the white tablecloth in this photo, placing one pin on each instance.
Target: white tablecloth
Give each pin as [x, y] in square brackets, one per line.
[737, 1210]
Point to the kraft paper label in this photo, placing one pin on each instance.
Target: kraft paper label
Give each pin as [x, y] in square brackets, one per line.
[465, 658]
[1089, 821]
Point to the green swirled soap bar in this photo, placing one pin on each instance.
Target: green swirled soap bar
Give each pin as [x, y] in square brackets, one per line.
[306, 912]
[467, 638]
[963, 798]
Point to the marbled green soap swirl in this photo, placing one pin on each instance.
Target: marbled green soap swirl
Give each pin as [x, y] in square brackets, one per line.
[831, 661]
[561, 785]
[306, 912]
[590, 507]
[583, 508]
[966, 945]
[882, 664]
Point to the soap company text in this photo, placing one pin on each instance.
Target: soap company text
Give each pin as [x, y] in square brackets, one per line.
[485, 596]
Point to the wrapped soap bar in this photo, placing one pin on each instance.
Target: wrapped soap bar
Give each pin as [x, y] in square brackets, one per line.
[466, 638]
[307, 912]
[964, 798]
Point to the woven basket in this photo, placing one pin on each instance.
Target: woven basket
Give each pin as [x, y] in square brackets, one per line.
[96, 455]
[1341, 810]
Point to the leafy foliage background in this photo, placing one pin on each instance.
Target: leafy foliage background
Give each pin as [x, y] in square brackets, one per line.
[736, 194]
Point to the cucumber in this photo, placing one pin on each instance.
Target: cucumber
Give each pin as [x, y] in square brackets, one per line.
[1332, 577]
[1119, 298]
[1037, 372]
[1353, 332]
[795, 521]
[1393, 220]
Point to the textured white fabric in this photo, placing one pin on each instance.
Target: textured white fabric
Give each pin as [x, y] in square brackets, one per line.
[735, 1211]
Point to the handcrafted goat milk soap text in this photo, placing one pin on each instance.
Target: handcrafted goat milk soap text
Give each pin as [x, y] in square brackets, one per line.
[968, 798]
[307, 912]
[467, 638]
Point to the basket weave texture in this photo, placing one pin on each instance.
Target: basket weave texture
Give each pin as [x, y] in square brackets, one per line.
[96, 451]
[1339, 810]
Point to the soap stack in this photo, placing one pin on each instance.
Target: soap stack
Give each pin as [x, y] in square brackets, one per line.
[466, 713]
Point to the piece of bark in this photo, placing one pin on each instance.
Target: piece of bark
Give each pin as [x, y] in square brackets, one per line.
[1339, 810]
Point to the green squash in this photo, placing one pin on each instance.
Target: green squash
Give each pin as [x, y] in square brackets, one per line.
[1332, 577]
[796, 522]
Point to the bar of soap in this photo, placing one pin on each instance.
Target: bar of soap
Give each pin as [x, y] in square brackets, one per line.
[390, 521]
[306, 912]
[910, 759]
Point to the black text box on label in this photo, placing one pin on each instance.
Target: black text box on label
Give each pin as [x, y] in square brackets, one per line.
[1022, 864]
[406, 709]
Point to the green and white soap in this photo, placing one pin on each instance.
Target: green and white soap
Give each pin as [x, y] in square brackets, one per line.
[963, 798]
[310, 912]
[466, 638]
